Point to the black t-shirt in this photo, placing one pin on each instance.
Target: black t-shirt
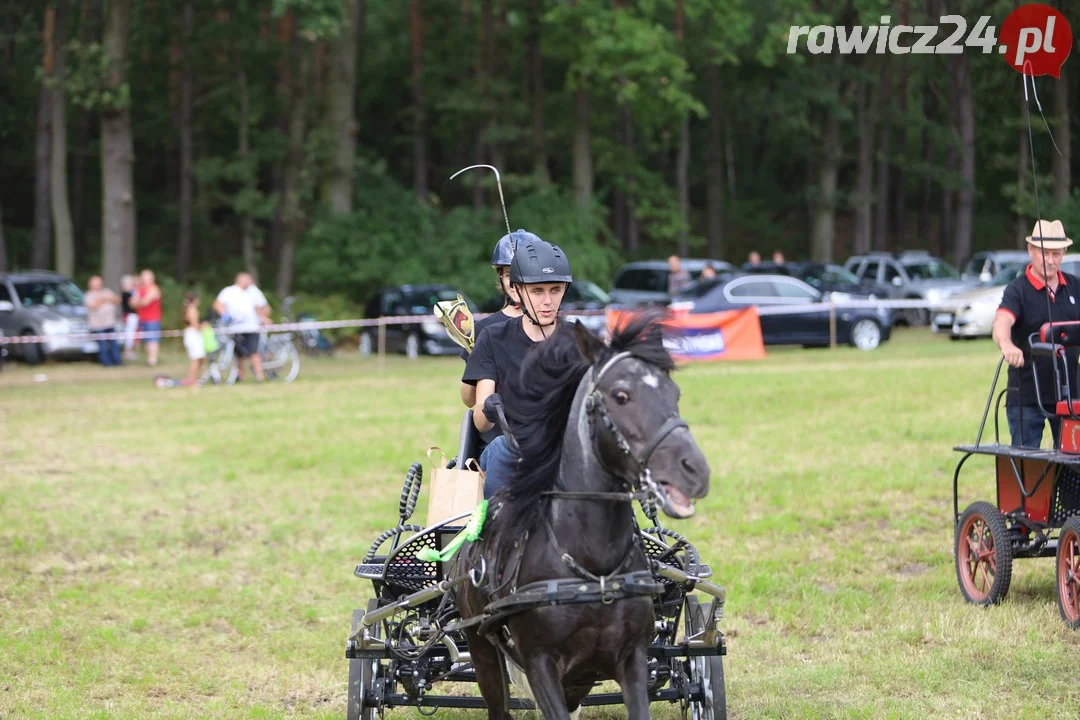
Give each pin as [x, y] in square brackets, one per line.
[125, 302]
[1025, 299]
[498, 355]
[492, 319]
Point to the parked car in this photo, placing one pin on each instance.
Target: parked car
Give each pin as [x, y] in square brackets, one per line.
[645, 282]
[865, 328]
[826, 277]
[910, 275]
[39, 302]
[428, 337]
[985, 266]
[1070, 264]
[971, 313]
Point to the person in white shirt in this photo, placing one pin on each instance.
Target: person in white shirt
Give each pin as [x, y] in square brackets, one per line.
[243, 307]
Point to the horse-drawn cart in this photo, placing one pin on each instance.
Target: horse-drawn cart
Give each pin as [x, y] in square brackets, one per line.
[405, 640]
[1037, 513]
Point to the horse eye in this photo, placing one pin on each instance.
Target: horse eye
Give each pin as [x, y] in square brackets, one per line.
[621, 397]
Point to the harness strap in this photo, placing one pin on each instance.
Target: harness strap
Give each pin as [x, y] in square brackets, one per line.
[565, 591]
[670, 426]
[582, 495]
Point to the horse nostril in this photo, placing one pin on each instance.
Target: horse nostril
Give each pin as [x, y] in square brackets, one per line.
[689, 466]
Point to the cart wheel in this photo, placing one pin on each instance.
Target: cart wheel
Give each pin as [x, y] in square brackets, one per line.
[983, 554]
[362, 674]
[1068, 572]
[708, 669]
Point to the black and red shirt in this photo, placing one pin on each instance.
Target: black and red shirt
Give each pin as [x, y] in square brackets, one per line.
[1025, 299]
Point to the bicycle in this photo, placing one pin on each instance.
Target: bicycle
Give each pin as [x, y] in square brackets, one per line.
[280, 358]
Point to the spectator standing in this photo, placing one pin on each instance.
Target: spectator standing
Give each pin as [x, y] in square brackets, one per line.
[243, 308]
[752, 260]
[193, 339]
[129, 315]
[678, 277]
[102, 306]
[147, 303]
[778, 257]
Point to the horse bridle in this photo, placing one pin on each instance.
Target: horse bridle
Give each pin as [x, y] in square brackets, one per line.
[643, 487]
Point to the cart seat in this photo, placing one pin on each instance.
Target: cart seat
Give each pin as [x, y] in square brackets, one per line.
[469, 443]
[1063, 408]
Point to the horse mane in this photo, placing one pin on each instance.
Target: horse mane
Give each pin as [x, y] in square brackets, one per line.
[550, 376]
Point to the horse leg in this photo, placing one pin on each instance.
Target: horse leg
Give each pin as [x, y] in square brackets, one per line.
[574, 696]
[633, 678]
[487, 661]
[547, 688]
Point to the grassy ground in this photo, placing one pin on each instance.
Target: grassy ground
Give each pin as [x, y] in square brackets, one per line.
[188, 553]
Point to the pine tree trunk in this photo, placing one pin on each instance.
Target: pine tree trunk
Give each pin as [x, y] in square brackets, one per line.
[881, 214]
[631, 240]
[88, 28]
[61, 211]
[582, 151]
[1022, 164]
[965, 105]
[117, 155]
[484, 31]
[535, 75]
[187, 151]
[247, 226]
[292, 213]
[286, 34]
[341, 99]
[864, 172]
[928, 153]
[824, 233]
[899, 186]
[1060, 163]
[39, 249]
[419, 132]
[3, 245]
[715, 162]
[682, 164]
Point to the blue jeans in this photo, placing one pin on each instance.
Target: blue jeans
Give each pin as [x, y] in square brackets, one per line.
[108, 350]
[1032, 427]
[497, 462]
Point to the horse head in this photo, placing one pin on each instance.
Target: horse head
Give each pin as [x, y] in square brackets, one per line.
[632, 408]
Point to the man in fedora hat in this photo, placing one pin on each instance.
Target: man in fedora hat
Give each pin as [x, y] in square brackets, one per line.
[1043, 293]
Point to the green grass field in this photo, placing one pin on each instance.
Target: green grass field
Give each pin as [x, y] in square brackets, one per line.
[188, 553]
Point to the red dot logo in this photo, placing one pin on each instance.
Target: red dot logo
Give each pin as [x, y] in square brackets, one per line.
[1036, 39]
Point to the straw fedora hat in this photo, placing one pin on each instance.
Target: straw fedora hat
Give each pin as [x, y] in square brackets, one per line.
[1052, 236]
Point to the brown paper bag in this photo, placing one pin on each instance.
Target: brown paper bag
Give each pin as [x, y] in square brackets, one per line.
[454, 491]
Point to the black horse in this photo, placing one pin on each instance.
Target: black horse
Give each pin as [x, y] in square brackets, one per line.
[560, 582]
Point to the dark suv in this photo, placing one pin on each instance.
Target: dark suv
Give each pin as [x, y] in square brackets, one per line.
[428, 337]
[910, 275]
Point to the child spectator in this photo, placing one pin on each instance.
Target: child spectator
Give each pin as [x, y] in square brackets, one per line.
[193, 339]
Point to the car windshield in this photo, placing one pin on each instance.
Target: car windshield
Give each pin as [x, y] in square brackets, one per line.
[49, 293]
[819, 275]
[1007, 274]
[930, 270]
[590, 292]
[421, 303]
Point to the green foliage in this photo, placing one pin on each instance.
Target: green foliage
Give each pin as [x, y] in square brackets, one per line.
[84, 81]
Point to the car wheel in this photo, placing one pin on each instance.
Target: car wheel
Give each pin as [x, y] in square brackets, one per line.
[866, 334]
[412, 346]
[33, 354]
[367, 345]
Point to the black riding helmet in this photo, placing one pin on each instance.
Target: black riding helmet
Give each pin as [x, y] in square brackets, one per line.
[536, 261]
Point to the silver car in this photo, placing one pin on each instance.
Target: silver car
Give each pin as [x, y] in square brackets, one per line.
[39, 302]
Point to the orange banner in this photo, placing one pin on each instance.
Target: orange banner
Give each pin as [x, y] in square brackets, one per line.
[728, 335]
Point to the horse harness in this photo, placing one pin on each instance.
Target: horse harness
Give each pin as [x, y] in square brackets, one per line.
[585, 587]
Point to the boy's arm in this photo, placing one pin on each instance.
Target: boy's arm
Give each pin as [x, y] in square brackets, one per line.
[484, 389]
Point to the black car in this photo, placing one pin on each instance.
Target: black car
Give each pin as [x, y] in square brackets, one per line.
[825, 277]
[413, 338]
[865, 328]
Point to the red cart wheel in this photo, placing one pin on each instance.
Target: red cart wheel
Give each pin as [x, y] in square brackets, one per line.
[983, 555]
[1068, 572]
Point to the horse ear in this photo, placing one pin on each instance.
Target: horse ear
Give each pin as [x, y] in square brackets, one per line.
[588, 344]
